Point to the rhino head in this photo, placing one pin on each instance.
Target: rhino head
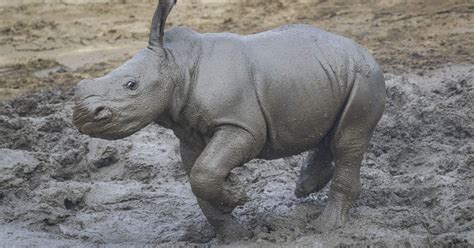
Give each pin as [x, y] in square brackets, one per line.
[133, 95]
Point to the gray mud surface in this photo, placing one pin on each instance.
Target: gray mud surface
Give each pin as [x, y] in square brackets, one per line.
[61, 188]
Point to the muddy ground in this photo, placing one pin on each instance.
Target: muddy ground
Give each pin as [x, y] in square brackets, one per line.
[61, 188]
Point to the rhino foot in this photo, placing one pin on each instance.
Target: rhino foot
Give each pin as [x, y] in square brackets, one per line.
[335, 214]
[330, 219]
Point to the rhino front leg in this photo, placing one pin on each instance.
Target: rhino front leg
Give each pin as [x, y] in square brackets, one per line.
[220, 219]
[217, 192]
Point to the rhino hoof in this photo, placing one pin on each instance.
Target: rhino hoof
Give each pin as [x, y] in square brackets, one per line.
[330, 219]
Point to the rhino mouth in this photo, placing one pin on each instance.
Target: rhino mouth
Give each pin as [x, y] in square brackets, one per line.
[91, 121]
[93, 128]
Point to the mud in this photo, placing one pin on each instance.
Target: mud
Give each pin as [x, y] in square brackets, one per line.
[61, 188]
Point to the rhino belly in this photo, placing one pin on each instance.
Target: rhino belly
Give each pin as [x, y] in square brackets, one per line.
[300, 107]
[297, 122]
[302, 77]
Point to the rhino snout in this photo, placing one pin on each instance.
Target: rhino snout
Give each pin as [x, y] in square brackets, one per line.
[83, 90]
[102, 113]
[87, 114]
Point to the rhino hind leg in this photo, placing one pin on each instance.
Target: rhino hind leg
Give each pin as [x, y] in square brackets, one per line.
[348, 143]
[317, 170]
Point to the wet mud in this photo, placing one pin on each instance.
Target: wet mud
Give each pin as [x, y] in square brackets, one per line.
[66, 188]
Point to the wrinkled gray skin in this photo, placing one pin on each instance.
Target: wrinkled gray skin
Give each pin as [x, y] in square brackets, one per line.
[232, 98]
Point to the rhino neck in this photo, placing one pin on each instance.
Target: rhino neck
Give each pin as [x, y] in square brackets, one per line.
[184, 49]
[175, 117]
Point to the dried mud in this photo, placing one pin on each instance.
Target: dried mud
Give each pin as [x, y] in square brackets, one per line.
[61, 188]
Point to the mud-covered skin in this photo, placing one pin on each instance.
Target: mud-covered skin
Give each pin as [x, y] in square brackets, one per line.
[232, 98]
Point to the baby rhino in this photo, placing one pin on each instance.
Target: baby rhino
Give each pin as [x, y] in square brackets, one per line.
[231, 98]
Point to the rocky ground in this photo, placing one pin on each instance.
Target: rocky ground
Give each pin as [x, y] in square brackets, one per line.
[61, 188]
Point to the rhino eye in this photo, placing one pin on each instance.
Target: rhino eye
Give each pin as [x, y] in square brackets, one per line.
[131, 85]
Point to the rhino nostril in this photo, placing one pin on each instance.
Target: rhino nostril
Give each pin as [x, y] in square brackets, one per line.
[101, 113]
[98, 110]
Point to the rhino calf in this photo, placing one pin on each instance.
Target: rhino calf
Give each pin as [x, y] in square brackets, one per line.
[231, 98]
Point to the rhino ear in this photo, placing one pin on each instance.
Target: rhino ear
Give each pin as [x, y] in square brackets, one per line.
[158, 22]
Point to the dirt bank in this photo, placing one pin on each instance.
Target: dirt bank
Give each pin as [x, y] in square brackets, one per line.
[80, 38]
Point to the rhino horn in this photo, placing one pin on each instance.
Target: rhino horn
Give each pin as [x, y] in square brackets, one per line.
[158, 23]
